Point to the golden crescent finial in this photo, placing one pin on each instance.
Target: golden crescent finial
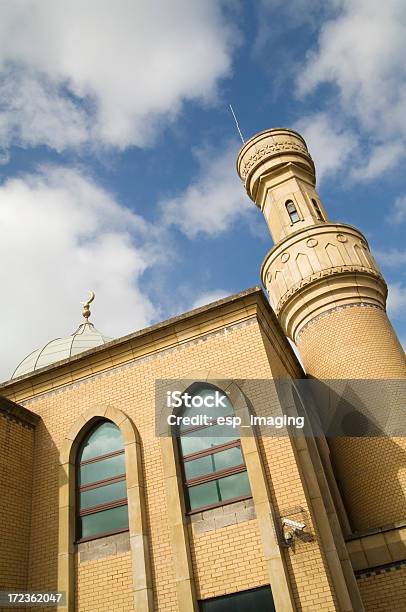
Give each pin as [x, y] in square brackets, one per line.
[86, 305]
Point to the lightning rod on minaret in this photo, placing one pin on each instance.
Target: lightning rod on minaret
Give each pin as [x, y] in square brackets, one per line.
[236, 124]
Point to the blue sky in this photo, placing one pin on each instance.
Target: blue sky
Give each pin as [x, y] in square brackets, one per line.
[117, 149]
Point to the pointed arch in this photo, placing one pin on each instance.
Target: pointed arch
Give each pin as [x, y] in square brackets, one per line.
[139, 544]
[277, 571]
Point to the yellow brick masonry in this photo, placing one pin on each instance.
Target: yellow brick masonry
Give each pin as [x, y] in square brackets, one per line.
[385, 592]
[235, 551]
[105, 585]
[217, 567]
[359, 343]
[16, 460]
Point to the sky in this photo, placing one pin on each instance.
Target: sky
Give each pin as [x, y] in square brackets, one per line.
[118, 149]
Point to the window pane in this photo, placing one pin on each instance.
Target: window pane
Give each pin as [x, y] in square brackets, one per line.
[102, 522]
[198, 467]
[206, 438]
[100, 470]
[247, 601]
[236, 485]
[106, 438]
[221, 489]
[213, 463]
[103, 495]
[203, 495]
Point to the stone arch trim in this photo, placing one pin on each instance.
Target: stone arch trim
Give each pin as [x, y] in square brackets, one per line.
[139, 540]
[277, 572]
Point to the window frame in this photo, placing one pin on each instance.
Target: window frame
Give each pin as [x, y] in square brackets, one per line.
[230, 597]
[211, 476]
[293, 212]
[79, 513]
[319, 214]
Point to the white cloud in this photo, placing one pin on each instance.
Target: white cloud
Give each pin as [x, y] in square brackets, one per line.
[329, 144]
[214, 201]
[102, 72]
[61, 236]
[391, 257]
[210, 296]
[398, 214]
[396, 304]
[361, 54]
[382, 158]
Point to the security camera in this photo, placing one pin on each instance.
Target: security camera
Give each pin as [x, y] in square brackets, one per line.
[293, 524]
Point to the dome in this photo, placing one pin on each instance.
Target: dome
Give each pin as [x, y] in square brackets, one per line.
[84, 338]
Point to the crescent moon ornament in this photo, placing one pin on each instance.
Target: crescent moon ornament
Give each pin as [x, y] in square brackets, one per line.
[86, 305]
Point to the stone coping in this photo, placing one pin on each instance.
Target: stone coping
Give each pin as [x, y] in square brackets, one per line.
[356, 535]
[377, 548]
[18, 413]
[141, 333]
[151, 341]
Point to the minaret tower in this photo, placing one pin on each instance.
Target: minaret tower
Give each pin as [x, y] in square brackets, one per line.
[330, 297]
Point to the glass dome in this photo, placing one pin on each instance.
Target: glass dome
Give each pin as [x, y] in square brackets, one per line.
[84, 338]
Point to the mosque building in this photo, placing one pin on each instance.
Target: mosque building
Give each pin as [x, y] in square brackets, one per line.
[105, 507]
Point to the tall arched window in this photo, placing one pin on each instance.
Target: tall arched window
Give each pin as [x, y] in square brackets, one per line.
[292, 212]
[101, 484]
[317, 210]
[214, 471]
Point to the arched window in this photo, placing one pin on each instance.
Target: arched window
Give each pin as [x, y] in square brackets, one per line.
[317, 210]
[293, 214]
[101, 485]
[214, 471]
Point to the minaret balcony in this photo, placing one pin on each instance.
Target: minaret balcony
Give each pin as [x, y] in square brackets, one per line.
[317, 269]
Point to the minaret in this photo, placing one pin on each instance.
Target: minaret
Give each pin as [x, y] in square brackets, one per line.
[330, 297]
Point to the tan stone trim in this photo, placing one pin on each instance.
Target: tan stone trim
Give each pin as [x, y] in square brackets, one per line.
[169, 333]
[278, 576]
[18, 413]
[142, 577]
[321, 501]
[383, 547]
[178, 533]
[58, 385]
[321, 275]
[136, 361]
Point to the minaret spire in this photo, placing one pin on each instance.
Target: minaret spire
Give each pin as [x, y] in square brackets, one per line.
[315, 264]
[330, 298]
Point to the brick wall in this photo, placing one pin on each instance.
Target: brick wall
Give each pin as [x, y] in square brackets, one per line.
[16, 460]
[384, 591]
[242, 352]
[105, 584]
[359, 343]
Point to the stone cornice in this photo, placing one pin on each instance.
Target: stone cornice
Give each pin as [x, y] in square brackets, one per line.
[322, 274]
[167, 335]
[17, 413]
[324, 266]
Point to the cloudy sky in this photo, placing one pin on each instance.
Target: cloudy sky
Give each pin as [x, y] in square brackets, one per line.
[117, 149]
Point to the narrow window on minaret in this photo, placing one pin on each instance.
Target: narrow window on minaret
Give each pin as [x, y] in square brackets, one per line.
[293, 214]
[318, 211]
